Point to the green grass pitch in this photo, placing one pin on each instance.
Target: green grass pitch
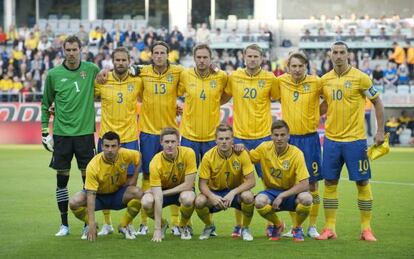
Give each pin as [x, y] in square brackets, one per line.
[29, 219]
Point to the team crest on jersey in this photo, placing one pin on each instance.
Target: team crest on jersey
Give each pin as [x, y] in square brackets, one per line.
[130, 88]
[170, 78]
[213, 83]
[82, 74]
[236, 165]
[262, 83]
[180, 166]
[286, 165]
[348, 84]
[306, 87]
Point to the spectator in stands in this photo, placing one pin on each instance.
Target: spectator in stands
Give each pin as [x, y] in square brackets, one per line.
[43, 44]
[404, 118]
[398, 55]
[391, 76]
[95, 36]
[338, 34]
[234, 37]
[203, 34]
[393, 127]
[397, 36]
[177, 34]
[266, 34]
[28, 92]
[150, 37]
[190, 37]
[239, 59]
[367, 35]
[410, 59]
[14, 90]
[31, 42]
[366, 68]
[12, 34]
[306, 36]
[326, 64]
[130, 33]
[3, 36]
[127, 42]
[141, 34]
[82, 35]
[107, 62]
[118, 36]
[5, 85]
[278, 70]
[383, 35]
[353, 59]
[106, 37]
[352, 34]
[314, 69]
[145, 56]
[378, 75]
[218, 37]
[175, 50]
[367, 23]
[403, 75]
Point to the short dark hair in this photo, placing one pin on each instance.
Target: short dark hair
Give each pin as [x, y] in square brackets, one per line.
[120, 49]
[298, 55]
[72, 39]
[202, 46]
[169, 131]
[162, 43]
[278, 124]
[222, 127]
[110, 135]
[340, 43]
[254, 46]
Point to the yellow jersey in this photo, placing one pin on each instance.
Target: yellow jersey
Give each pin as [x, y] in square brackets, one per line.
[201, 114]
[251, 102]
[106, 177]
[225, 173]
[300, 103]
[280, 171]
[119, 106]
[345, 96]
[159, 96]
[167, 174]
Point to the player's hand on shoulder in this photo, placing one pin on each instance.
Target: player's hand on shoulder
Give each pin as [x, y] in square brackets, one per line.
[47, 140]
[157, 237]
[134, 70]
[238, 148]
[214, 68]
[102, 76]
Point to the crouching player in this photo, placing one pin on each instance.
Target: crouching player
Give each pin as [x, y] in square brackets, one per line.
[172, 176]
[286, 180]
[107, 187]
[226, 180]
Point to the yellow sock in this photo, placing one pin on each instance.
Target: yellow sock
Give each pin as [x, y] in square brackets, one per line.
[302, 212]
[313, 215]
[330, 205]
[238, 215]
[204, 215]
[365, 205]
[174, 212]
[131, 212]
[293, 217]
[145, 186]
[268, 213]
[247, 210]
[186, 213]
[81, 214]
[107, 217]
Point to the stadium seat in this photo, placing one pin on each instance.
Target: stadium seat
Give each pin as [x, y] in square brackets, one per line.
[242, 25]
[63, 25]
[42, 24]
[74, 25]
[86, 24]
[108, 24]
[220, 23]
[96, 23]
[254, 26]
[403, 89]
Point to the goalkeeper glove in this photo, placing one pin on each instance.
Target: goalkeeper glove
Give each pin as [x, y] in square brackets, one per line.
[134, 70]
[47, 140]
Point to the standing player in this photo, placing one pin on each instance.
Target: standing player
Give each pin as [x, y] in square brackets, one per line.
[71, 87]
[158, 94]
[107, 187]
[119, 97]
[252, 89]
[226, 180]
[300, 96]
[203, 92]
[172, 176]
[345, 89]
[285, 179]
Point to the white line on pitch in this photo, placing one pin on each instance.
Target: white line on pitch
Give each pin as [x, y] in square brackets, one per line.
[384, 182]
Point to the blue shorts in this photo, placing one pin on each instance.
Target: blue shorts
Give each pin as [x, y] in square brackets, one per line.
[288, 204]
[200, 148]
[353, 154]
[111, 201]
[133, 145]
[149, 145]
[311, 148]
[236, 203]
[252, 144]
[171, 200]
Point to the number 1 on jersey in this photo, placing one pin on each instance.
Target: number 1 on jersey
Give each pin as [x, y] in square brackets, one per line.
[77, 87]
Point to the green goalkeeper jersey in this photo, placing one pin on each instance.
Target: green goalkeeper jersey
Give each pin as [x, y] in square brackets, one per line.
[72, 91]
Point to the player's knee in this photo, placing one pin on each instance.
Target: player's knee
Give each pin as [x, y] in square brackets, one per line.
[135, 192]
[313, 186]
[362, 183]
[305, 198]
[200, 201]
[260, 201]
[331, 182]
[247, 197]
[147, 201]
[187, 198]
[76, 201]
